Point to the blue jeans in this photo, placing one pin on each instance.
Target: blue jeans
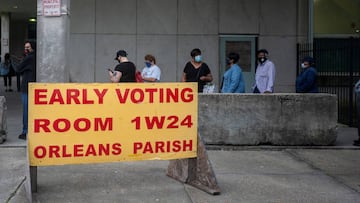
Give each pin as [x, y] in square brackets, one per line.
[24, 100]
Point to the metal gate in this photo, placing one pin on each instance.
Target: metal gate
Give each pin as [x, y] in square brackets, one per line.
[338, 64]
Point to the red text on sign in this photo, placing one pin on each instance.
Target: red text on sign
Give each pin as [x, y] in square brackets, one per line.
[161, 122]
[79, 124]
[163, 146]
[79, 150]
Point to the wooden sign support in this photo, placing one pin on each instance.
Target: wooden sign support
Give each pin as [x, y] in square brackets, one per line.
[197, 172]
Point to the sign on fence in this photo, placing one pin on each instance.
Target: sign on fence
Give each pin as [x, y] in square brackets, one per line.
[76, 123]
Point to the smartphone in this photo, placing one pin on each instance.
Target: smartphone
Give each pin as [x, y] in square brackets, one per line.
[110, 70]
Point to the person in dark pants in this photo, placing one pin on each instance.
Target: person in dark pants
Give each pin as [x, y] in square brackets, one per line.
[27, 68]
[357, 92]
[11, 73]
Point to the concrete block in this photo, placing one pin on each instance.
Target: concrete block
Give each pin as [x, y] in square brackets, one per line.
[82, 17]
[277, 119]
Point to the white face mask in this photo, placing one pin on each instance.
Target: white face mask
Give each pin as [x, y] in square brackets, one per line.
[303, 65]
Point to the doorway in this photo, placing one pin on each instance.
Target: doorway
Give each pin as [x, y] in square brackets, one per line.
[245, 46]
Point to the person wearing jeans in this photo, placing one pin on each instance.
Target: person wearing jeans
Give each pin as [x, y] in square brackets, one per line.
[27, 68]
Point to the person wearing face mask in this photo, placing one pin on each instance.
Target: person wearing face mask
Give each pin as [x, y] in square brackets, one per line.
[233, 81]
[28, 70]
[124, 71]
[265, 73]
[151, 72]
[196, 70]
[306, 81]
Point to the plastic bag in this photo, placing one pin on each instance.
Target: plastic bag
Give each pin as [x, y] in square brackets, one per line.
[209, 88]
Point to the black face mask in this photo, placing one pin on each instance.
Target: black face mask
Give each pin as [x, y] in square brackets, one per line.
[262, 60]
[228, 61]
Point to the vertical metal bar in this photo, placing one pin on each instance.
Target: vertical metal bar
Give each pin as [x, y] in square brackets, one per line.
[351, 79]
[33, 178]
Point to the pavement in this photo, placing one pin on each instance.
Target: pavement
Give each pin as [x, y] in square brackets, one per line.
[244, 173]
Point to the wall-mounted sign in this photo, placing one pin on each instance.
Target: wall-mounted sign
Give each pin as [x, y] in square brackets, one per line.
[51, 7]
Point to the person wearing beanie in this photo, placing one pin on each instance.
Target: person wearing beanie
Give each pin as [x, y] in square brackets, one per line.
[306, 82]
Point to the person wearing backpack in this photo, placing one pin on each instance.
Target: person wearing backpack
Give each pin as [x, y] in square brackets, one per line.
[124, 71]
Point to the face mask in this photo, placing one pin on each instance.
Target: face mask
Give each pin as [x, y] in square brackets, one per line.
[303, 65]
[262, 60]
[198, 58]
[227, 61]
[148, 64]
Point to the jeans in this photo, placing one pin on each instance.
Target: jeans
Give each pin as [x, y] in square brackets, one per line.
[24, 100]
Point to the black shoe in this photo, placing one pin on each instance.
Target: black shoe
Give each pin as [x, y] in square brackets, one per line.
[22, 136]
[356, 143]
[10, 90]
[6, 90]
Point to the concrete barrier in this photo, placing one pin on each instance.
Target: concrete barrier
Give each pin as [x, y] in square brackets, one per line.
[3, 123]
[277, 119]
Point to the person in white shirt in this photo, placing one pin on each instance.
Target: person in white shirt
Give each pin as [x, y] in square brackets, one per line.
[265, 73]
[151, 72]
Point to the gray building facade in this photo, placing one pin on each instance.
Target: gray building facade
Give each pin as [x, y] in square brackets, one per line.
[82, 42]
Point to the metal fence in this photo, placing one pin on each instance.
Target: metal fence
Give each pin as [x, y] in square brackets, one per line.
[338, 64]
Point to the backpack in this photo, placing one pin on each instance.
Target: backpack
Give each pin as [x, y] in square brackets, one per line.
[4, 69]
[138, 77]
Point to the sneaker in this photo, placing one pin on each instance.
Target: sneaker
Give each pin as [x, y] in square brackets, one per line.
[356, 143]
[22, 136]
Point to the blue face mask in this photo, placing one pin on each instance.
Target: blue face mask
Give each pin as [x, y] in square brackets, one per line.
[198, 58]
[148, 64]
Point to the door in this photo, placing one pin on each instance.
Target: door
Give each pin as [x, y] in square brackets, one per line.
[245, 47]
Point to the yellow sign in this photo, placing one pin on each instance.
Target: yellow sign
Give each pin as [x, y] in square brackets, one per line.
[74, 123]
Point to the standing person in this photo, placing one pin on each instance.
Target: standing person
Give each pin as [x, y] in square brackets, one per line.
[233, 81]
[151, 72]
[196, 70]
[265, 73]
[8, 77]
[124, 71]
[306, 81]
[27, 68]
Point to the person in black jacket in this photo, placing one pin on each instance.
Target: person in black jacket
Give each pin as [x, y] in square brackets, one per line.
[28, 69]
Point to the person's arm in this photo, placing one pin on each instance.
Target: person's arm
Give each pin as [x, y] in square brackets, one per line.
[271, 75]
[155, 76]
[208, 77]
[23, 65]
[115, 76]
[235, 79]
[183, 78]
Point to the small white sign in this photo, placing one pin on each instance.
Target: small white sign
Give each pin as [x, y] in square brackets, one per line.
[51, 7]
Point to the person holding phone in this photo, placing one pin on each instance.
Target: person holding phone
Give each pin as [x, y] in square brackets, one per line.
[124, 71]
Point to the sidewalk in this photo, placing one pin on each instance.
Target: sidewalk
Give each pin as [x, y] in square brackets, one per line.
[247, 174]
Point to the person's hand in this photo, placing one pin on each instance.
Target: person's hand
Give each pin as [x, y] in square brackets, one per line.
[203, 78]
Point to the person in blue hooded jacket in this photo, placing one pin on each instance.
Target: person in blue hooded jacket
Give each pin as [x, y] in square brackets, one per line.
[233, 81]
[306, 81]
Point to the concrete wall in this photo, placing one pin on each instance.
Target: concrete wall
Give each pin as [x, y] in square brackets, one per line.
[278, 119]
[170, 29]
